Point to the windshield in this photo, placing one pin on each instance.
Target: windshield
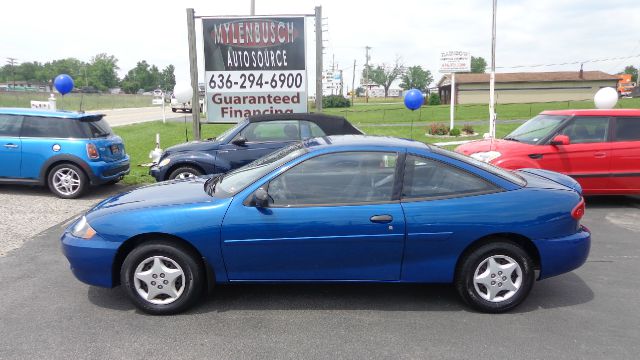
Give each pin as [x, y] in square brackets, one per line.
[536, 129]
[223, 137]
[233, 182]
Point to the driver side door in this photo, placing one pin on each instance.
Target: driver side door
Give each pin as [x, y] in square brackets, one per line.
[331, 217]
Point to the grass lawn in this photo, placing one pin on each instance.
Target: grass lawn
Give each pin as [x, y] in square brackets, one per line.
[72, 101]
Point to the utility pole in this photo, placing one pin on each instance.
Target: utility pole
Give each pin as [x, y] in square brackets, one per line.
[253, 7]
[12, 61]
[333, 70]
[366, 73]
[341, 84]
[492, 77]
[318, 58]
[353, 82]
[193, 65]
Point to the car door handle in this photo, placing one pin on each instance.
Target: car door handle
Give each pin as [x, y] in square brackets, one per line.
[382, 219]
[10, 146]
[600, 155]
[535, 156]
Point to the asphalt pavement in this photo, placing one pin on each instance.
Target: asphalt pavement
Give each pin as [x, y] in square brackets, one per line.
[591, 313]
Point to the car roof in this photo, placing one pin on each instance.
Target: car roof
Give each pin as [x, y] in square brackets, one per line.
[48, 113]
[330, 124]
[363, 141]
[594, 112]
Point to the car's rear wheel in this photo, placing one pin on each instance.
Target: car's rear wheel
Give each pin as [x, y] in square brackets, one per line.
[162, 278]
[174, 109]
[184, 172]
[67, 181]
[495, 277]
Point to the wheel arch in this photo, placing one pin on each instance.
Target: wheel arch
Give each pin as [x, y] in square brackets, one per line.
[184, 163]
[517, 239]
[140, 239]
[72, 160]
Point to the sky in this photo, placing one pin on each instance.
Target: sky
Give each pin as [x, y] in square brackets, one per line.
[529, 32]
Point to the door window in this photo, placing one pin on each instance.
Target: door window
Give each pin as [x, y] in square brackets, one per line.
[10, 125]
[336, 179]
[59, 128]
[424, 178]
[627, 129]
[587, 130]
[285, 130]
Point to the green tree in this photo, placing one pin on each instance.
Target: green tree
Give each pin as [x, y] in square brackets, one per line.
[633, 71]
[434, 99]
[27, 71]
[102, 72]
[478, 65]
[416, 78]
[137, 78]
[168, 78]
[384, 75]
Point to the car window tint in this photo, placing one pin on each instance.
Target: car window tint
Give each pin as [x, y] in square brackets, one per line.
[316, 131]
[286, 130]
[424, 178]
[336, 179]
[627, 129]
[10, 125]
[35, 126]
[587, 129]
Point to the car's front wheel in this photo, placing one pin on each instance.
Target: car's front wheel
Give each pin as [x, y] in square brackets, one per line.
[162, 278]
[495, 277]
[184, 172]
[67, 181]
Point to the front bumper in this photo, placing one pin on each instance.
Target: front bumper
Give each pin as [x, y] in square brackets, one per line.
[159, 173]
[561, 255]
[91, 261]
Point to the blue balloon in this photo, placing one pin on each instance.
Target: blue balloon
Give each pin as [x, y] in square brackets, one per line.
[63, 83]
[413, 99]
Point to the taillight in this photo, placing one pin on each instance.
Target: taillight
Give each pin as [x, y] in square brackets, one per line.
[578, 211]
[92, 151]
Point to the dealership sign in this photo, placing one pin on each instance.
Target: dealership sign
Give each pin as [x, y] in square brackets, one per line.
[455, 61]
[254, 66]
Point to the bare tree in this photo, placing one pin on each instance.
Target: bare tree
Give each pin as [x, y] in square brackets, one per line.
[385, 74]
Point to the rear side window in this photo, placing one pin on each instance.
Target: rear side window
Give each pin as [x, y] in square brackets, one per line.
[95, 128]
[10, 125]
[51, 127]
[285, 130]
[425, 178]
[627, 129]
[587, 130]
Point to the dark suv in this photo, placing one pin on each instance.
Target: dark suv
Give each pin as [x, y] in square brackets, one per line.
[67, 151]
[249, 140]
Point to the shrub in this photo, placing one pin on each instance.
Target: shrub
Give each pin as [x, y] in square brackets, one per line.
[335, 101]
[454, 132]
[467, 129]
[438, 129]
[434, 99]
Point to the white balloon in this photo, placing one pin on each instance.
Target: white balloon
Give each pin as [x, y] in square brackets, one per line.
[183, 92]
[606, 98]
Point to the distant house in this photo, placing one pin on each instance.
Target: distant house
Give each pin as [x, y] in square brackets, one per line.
[526, 87]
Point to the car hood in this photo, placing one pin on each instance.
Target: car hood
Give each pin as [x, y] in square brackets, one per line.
[502, 146]
[207, 145]
[165, 193]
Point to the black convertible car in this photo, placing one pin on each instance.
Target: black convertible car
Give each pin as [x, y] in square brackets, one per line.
[249, 140]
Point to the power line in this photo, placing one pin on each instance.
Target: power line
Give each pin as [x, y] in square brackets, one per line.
[570, 62]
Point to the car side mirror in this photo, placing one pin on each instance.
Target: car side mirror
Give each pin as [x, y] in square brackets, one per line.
[560, 140]
[261, 198]
[241, 141]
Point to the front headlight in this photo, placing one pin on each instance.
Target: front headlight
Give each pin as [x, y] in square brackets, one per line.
[83, 230]
[164, 162]
[486, 156]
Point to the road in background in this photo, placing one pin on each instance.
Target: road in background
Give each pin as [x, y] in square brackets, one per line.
[119, 117]
[590, 313]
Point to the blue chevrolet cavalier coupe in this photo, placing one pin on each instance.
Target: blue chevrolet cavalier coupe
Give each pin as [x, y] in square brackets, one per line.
[332, 209]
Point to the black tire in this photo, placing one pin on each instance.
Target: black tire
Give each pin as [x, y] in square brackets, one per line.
[504, 251]
[174, 109]
[76, 175]
[190, 282]
[183, 170]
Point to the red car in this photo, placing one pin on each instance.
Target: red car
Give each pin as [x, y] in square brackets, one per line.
[599, 148]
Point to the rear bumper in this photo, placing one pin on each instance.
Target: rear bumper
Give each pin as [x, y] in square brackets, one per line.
[561, 255]
[90, 260]
[102, 172]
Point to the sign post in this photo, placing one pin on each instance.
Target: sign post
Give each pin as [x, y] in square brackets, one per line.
[254, 65]
[452, 62]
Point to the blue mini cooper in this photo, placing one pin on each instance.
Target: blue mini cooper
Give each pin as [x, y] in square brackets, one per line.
[337, 209]
[66, 151]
